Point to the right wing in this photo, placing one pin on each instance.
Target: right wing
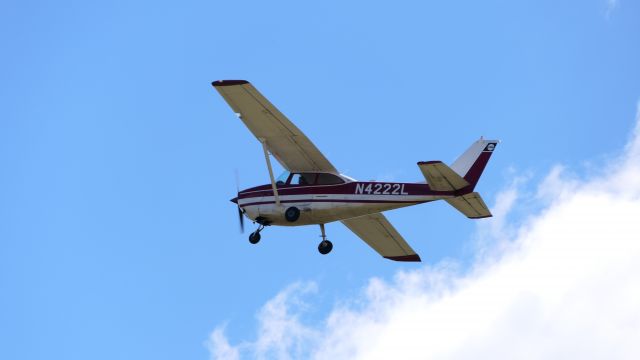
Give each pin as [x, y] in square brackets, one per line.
[293, 150]
[378, 233]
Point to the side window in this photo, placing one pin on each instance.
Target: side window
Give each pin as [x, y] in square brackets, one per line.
[295, 179]
[307, 179]
[329, 179]
[303, 179]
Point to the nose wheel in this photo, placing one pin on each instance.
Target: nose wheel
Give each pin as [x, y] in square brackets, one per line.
[255, 236]
[325, 245]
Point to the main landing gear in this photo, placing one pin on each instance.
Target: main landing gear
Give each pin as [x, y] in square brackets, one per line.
[325, 245]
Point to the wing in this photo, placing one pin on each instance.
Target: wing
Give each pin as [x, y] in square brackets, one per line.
[378, 233]
[293, 150]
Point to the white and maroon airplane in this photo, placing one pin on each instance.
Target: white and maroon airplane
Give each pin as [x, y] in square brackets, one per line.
[312, 191]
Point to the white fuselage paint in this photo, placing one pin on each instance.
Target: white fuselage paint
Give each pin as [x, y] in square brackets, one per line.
[326, 208]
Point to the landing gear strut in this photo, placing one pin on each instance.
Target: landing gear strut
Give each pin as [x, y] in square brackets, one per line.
[255, 236]
[325, 245]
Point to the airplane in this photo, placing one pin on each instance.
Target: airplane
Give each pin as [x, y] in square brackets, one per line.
[313, 192]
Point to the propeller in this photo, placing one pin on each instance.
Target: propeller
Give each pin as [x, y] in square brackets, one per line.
[240, 211]
[241, 217]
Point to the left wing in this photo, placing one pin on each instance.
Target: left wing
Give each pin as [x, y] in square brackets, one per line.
[378, 233]
[293, 150]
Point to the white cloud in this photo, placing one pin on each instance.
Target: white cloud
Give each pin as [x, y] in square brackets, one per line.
[219, 346]
[281, 334]
[564, 283]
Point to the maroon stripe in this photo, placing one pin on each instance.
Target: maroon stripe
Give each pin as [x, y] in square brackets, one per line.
[348, 189]
[414, 258]
[473, 175]
[337, 201]
[429, 162]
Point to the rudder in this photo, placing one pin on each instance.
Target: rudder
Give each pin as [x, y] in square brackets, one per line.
[472, 162]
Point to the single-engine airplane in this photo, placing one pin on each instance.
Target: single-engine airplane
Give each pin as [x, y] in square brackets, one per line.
[312, 191]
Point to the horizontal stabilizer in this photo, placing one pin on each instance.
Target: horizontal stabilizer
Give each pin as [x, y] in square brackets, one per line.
[471, 205]
[441, 177]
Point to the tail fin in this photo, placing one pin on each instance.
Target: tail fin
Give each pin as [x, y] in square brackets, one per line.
[472, 162]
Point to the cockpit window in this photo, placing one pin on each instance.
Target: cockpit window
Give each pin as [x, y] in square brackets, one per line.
[306, 179]
[303, 179]
[328, 179]
[282, 179]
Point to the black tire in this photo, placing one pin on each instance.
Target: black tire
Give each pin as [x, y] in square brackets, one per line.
[292, 214]
[325, 247]
[254, 237]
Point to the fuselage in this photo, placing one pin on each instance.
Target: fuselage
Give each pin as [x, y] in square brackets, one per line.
[321, 204]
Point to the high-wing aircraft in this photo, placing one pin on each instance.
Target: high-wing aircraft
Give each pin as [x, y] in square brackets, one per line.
[312, 191]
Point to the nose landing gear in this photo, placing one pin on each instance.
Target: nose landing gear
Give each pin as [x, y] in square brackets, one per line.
[325, 245]
[255, 236]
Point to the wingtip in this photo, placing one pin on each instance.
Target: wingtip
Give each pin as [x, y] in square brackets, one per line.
[405, 258]
[481, 217]
[228, 82]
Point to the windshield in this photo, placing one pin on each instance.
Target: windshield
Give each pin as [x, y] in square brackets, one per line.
[282, 179]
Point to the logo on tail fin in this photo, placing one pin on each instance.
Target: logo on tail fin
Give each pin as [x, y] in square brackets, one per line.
[490, 147]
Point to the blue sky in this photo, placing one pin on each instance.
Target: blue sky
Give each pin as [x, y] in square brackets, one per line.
[117, 237]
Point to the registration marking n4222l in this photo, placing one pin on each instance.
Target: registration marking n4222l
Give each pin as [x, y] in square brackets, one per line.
[381, 189]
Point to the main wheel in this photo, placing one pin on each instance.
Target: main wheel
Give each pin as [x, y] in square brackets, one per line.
[292, 214]
[325, 247]
[254, 237]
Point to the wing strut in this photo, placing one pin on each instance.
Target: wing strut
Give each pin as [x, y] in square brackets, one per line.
[273, 180]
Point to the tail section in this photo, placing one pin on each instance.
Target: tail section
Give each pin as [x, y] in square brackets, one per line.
[440, 177]
[472, 162]
[463, 175]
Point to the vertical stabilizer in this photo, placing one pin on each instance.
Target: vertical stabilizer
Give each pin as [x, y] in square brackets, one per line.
[472, 162]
